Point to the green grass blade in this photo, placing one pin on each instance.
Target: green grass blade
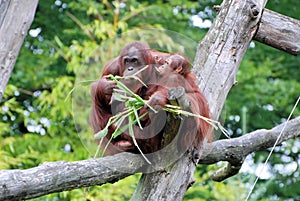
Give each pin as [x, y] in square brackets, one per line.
[137, 78]
[124, 88]
[124, 128]
[138, 72]
[119, 97]
[119, 131]
[137, 118]
[98, 148]
[101, 134]
[106, 146]
[131, 132]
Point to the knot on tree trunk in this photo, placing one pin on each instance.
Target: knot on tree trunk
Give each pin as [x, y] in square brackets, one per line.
[254, 10]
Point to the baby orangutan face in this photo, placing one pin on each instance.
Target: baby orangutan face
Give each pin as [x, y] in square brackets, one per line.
[171, 64]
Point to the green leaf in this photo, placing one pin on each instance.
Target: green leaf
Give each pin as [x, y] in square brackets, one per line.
[101, 134]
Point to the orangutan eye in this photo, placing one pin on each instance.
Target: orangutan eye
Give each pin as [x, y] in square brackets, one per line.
[126, 61]
[134, 60]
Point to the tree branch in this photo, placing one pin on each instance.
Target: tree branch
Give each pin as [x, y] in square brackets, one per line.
[53, 177]
[60, 176]
[279, 31]
[236, 150]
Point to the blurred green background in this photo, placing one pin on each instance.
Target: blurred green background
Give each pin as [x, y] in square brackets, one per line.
[69, 38]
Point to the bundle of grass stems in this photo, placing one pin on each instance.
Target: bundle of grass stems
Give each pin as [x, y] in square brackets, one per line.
[133, 103]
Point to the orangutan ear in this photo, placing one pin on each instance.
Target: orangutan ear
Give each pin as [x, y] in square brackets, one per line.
[179, 69]
[156, 59]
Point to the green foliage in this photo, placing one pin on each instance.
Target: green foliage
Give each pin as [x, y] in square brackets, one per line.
[204, 189]
[263, 89]
[46, 104]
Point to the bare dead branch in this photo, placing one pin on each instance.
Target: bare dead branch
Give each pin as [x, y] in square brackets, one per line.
[237, 149]
[251, 142]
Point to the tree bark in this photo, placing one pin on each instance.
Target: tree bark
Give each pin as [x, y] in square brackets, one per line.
[279, 31]
[60, 176]
[16, 17]
[221, 51]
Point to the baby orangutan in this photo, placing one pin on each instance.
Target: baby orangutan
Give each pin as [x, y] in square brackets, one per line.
[175, 72]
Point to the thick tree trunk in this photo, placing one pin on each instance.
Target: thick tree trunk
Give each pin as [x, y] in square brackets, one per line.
[217, 60]
[221, 51]
[16, 17]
